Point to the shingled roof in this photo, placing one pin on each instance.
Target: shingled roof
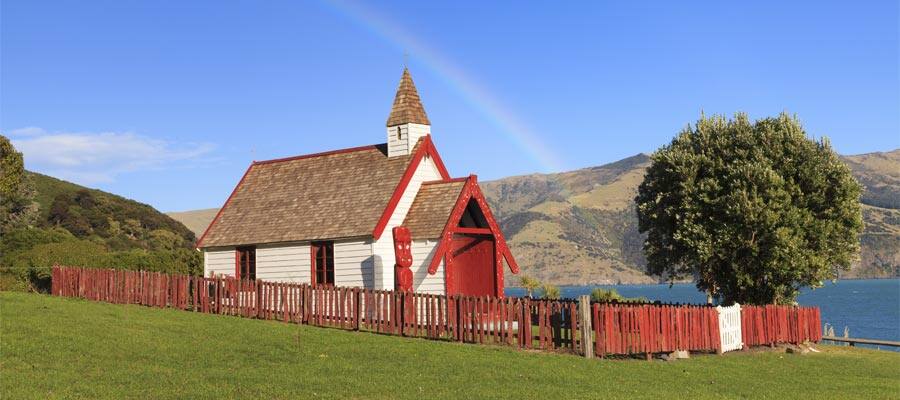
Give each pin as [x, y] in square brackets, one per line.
[319, 196]
[430, 211]
[407, 106]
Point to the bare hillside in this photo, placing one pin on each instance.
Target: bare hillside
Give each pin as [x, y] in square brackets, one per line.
[195, 220]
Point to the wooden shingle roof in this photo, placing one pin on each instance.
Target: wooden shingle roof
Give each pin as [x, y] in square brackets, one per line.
[431, 208]
[407, 106]
[320, 196]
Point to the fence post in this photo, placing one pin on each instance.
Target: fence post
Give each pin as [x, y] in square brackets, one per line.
[584, 320]
[460, 333]
[402, 310]
[356, 308]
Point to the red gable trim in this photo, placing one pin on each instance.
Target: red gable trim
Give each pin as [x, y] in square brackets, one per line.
[219, 213]
[427, 148]
[471, 191]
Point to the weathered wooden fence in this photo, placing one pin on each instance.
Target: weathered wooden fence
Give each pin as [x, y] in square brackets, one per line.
[650, 328]
[770, 324]
[520, 322]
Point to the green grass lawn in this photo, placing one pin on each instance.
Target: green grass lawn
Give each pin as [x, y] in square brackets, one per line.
[67, 348]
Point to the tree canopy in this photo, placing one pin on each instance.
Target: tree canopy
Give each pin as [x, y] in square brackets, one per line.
[17, 206]
[753, 211]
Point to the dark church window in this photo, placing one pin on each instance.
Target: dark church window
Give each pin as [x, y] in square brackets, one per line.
[323, 263]
[246, 263]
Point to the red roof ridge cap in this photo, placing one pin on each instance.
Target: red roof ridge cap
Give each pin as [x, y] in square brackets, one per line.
[473, 177]
[451, 180]
[320, 154]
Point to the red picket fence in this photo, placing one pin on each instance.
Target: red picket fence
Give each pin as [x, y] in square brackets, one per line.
[519, 322]
[651, 328]
[471, 319]
[767, 325]
[123, 287]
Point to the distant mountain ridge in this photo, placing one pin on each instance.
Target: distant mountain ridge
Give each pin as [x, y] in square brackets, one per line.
[195, 220]
[579, 227]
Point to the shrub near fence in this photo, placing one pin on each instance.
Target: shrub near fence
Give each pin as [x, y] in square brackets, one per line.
[519, 322]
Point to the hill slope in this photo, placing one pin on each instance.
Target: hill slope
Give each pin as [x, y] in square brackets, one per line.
[579, 227]
[90, 212]
[195, 220]
[88, 227]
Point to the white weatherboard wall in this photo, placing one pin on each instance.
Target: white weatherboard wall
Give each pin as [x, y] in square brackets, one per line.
[353, 264]
[218, 260]
[292, 262]
[283, 262]
[383, 248]
[423, 252]
[401, 139]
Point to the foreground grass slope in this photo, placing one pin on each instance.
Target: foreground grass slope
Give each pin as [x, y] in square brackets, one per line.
[66, 348]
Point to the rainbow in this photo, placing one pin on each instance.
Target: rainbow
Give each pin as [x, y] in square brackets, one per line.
[477, 96]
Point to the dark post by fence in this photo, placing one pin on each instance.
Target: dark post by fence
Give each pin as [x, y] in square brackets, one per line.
[357, 309]
[402, 310]
[584, 321]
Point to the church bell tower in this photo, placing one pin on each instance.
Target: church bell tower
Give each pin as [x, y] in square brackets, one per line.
[408, 121]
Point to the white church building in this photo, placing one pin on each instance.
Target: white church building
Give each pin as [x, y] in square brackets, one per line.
[326, 218]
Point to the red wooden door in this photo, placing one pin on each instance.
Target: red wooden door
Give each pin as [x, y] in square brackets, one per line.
[472, 266]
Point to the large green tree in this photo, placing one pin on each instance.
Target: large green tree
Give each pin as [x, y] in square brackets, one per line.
[17, 206]
[753, 211]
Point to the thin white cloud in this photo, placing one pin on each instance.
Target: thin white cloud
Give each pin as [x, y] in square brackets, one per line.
[90, 158]
[26, 131]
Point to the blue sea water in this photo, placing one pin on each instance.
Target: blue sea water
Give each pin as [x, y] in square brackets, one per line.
[869, 307]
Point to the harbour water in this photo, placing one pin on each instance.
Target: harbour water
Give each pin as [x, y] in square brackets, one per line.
[870, 308]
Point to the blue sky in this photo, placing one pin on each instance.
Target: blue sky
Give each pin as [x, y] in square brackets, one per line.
[168, 102]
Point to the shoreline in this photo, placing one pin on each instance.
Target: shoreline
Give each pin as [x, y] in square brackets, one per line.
[678, 283]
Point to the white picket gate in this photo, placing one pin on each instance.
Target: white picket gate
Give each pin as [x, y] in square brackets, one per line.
[730, 327]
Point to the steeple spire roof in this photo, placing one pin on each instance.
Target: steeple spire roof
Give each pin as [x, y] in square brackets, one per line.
[407, 108]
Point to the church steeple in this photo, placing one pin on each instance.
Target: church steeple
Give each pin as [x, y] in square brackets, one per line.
[407, 108]
[407, 121]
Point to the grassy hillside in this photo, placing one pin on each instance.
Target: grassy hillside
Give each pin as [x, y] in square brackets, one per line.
[579, 227]
[67, 348]
[108, 206]
[89, 227]
[575, 227]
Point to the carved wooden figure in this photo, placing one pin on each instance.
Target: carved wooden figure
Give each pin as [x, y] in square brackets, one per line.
[403, 255]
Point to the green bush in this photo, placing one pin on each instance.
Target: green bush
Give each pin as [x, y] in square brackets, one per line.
[550, 292]
[605, 295]
[610, 295]
[530, 284]
[29, 256]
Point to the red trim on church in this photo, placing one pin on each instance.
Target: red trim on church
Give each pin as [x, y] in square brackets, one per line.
[470, 191]
[426, 148]
[219, 213]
